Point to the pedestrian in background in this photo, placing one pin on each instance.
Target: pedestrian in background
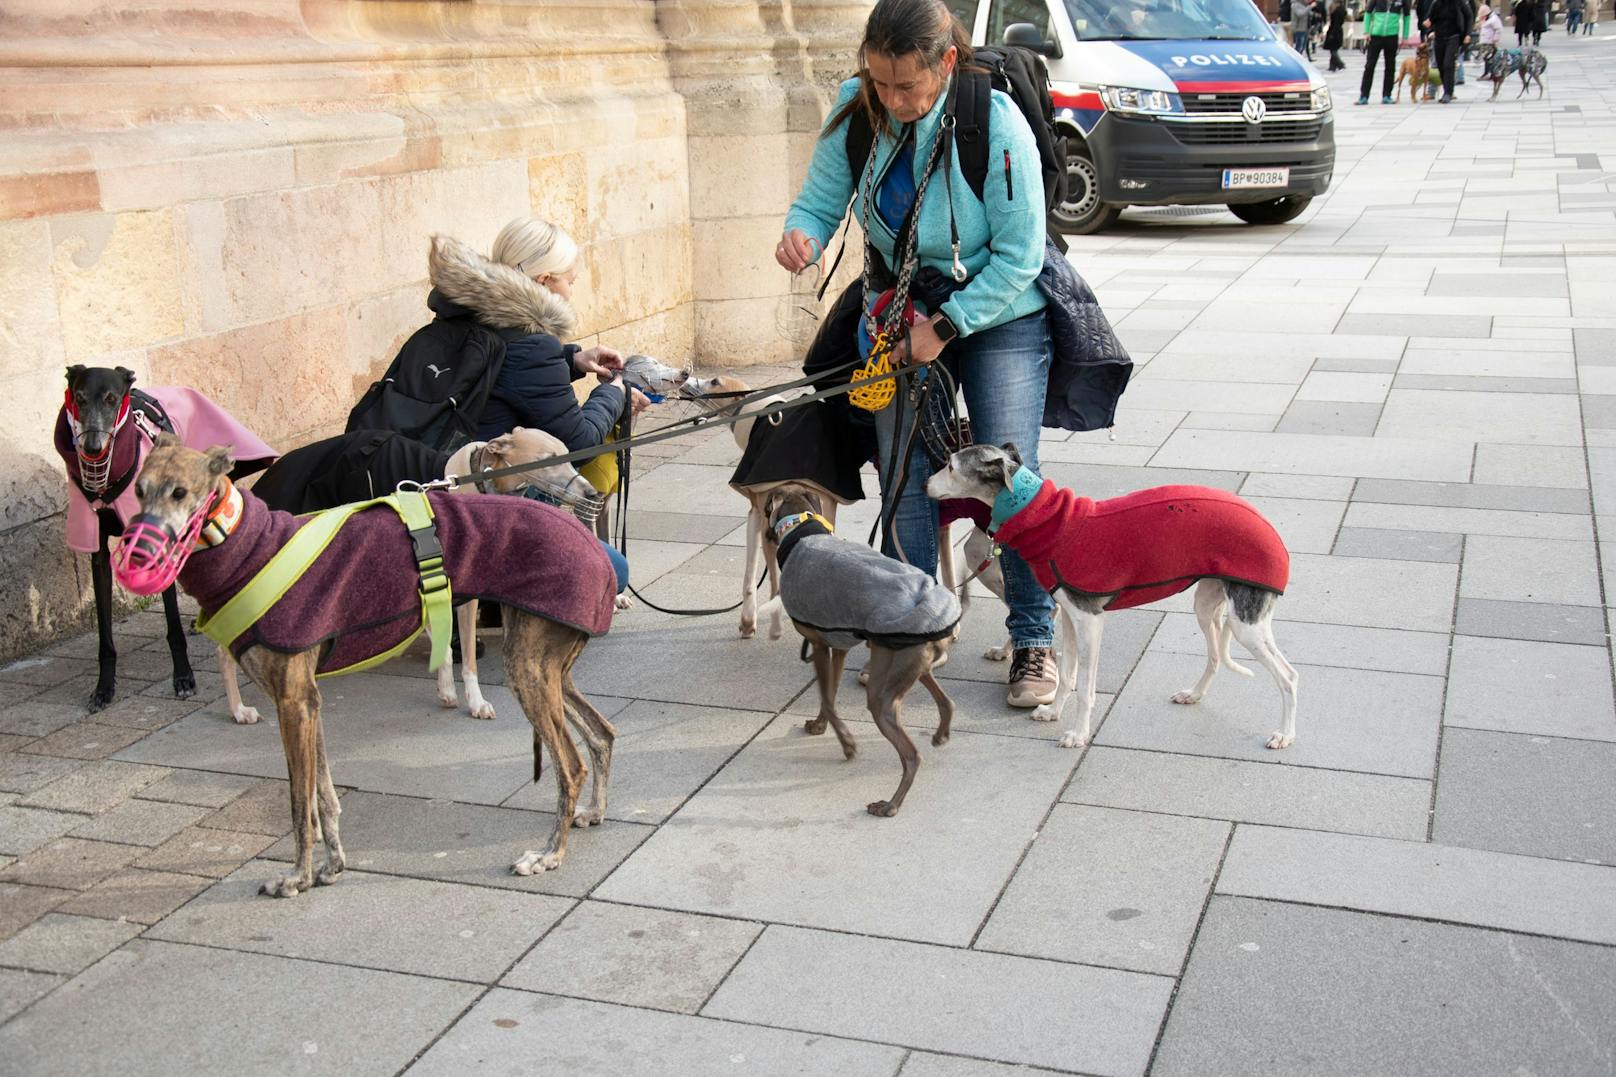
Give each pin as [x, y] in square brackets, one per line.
[1301, 18]
[1540, 20]
[1573, 16]
[1448, 22]
[1490, 33]
[1335, 34]
[1590, 17]
[1385, 24]
[1525, 13]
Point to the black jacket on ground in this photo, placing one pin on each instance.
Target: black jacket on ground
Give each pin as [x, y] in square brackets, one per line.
[356, 466]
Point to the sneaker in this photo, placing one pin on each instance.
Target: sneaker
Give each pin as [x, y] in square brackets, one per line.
[1032, 677]
[1447, 99]
[1363, 100]
[1386, 99]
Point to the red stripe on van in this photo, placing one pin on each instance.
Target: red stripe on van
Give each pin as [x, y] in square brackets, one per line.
[1086, 100]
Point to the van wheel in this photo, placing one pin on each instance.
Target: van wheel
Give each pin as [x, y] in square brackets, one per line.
[1273, 211]
[1082, 212]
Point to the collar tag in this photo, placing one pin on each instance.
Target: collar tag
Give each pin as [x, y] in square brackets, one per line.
[222, 521]
[1024, 486]
[788, 524]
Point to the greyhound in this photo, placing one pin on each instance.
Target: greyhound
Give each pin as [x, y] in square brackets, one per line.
[186, 497]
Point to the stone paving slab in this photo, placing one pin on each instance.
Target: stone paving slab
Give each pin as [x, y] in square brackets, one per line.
[137, 895]
[95, 787]
[817, 981]
[1543, 621]
[1370, 592]
[1539, 796]
[775, 835]
[1380, 723]
[376, 921]
[22, 830]
[1399, 545]
[1106, 887]
[1346, 646]
[1530, 570]
[1524, 686]
[1413, 878]
[141, 822]
[383, 734]
[1281, 989]
[19, 988]
[471, 843]
[1460, 494]
[507, 1031]
[65, 944]
[162, 1009]
[205, 852]
[22, 905]
[1319, 454]
[634, 957]
[1252, 792]
[70, 863]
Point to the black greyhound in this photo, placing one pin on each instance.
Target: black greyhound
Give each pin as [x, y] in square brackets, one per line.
[100, 403]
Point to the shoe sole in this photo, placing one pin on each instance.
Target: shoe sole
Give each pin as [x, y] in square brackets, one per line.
[1028, 703]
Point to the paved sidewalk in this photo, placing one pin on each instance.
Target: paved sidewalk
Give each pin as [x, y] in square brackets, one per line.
[1416, 381]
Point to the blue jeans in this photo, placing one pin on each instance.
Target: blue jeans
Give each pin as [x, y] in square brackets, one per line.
[1002, 372]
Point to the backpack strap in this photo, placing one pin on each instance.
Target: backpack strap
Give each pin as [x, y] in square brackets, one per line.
[975, 104]
[305, 546]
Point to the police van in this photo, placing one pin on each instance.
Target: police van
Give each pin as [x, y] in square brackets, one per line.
[1172, 102]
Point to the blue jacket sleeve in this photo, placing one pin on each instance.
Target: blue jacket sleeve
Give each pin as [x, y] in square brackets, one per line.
[822, 203]
[1014, 203]
[535, 385]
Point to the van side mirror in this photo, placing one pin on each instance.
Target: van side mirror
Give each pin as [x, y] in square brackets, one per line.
[1027, 36]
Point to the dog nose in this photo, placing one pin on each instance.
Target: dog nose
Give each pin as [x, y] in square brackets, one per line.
[93, 442]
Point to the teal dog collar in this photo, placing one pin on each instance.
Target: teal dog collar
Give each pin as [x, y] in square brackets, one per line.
[1024, 486]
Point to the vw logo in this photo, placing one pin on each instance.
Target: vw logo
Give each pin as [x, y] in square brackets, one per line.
[1253, 109]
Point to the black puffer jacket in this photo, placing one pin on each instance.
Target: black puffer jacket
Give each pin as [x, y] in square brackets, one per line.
[534, 386]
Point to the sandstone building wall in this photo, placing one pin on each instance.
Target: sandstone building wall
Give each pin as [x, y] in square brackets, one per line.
[236, 195]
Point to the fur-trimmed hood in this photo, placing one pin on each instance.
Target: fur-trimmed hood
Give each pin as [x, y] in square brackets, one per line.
[500, 297]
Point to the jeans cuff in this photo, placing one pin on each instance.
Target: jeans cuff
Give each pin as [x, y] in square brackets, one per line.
[1037, 641]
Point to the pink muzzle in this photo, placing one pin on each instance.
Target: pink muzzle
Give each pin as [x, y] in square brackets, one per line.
[150, 557]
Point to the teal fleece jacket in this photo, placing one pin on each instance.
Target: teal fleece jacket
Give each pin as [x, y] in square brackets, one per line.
[1001, 236]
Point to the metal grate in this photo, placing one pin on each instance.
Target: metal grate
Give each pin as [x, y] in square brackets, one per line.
[1228, 104]
[1209, 134]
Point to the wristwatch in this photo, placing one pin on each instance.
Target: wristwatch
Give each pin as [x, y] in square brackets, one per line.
[945, 329]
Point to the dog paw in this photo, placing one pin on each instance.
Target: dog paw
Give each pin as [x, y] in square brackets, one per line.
[329, 873]
[883, 808]
[1279, 740]
[1187, 697]
[864, 676]
[748, 630]
[588, 817]
[776, 629]
[1073, 739]
[814, 727]
[623, 602]
[1044, 712]
[101, 697]
[245, 715]
[185, 686]
[533, 863]
[940, 663]
[997, 654]
[939, 738]
[482, 710]
[286, 886]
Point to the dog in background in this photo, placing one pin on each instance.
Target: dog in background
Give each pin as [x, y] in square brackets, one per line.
[1096, 556]
[361, 598]
[1417, 70]
[103, 432]
[839, 594]
[1529, 63]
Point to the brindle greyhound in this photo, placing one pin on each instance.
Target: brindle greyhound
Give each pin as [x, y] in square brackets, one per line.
[98, 398]
[892, 672]
[177, 484]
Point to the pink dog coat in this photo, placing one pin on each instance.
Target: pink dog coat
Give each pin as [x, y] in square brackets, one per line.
[198, 422]
[1146, 545]
[360, 597]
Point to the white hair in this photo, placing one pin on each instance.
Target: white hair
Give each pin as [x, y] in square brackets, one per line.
[533, 247]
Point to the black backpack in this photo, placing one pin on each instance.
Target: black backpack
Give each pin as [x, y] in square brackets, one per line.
[435, 389]
[1019, 73]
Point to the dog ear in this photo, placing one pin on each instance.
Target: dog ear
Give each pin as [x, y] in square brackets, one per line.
[167, 440]
[1012, 452]
[219, 460]
[500, 448]
[128, 377]
[74, 372]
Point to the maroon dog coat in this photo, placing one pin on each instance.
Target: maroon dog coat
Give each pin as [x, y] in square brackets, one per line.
[1146, 545]
[360, 598]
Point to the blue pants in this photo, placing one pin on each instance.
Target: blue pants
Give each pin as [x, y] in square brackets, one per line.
[619, 565]
[1002, 372]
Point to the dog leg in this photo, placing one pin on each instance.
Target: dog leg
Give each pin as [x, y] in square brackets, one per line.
[945, 558]
[240, 713]
[777, 621]
[827, 677]
[1087, 628]
[1258, 638]
[945, 707]
[289, 680]
[599, 735]
[892, 674]
[1065, 669]
[476, 705]
[1211, 613]
[330, 807]
[106, 682]
[754, 546]
[178, 649]
[539, 654]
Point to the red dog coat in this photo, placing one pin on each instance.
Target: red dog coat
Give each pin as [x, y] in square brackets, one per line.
[1147, 545]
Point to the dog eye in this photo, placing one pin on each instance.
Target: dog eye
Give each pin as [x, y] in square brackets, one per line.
[178, 494]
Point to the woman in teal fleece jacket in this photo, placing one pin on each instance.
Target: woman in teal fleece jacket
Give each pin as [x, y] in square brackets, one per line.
[990, 329]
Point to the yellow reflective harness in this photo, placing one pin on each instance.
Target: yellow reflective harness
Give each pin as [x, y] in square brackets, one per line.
[283, 570]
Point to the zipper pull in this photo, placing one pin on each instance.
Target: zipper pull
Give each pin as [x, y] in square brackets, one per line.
[1009, 188]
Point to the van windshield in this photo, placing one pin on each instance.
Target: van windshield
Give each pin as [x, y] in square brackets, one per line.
[1167, 20]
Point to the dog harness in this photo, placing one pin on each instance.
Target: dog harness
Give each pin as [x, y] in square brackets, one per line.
[1143, 546]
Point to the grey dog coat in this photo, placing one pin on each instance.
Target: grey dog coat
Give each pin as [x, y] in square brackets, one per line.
[849, 592]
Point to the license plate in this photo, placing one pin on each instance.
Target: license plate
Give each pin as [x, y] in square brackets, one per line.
[1255, 177]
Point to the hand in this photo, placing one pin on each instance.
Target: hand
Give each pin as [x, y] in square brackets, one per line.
[638, 400]
[1427, 24]
[1466, 40]
[601, 361]
[796, 251]
[922, 344]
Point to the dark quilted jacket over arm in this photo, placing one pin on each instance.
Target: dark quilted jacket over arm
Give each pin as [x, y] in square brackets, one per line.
[535, 390]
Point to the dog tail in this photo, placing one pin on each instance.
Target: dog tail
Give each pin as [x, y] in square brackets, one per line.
[1225, 636]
